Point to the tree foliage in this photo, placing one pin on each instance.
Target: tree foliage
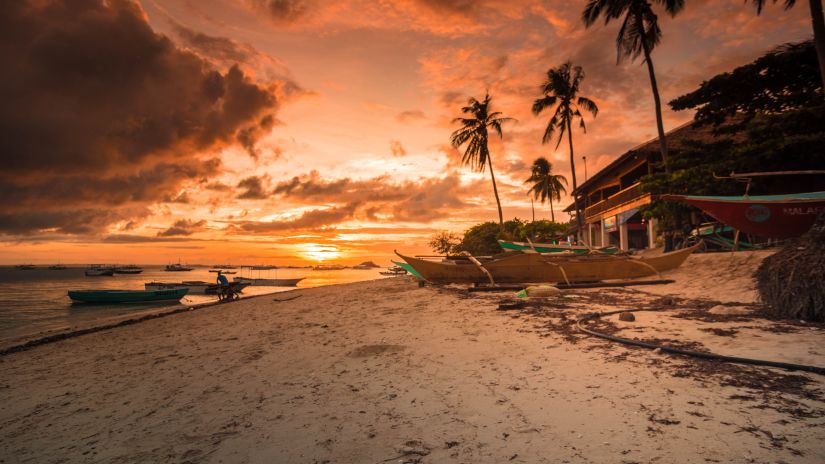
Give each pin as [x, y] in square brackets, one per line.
[546, 186]
[482, 239]
[786, 78]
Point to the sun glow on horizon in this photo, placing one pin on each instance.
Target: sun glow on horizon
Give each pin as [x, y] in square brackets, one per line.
[319, 252]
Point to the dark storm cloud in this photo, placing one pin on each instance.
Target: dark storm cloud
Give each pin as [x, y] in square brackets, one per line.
[313, 219]
[282, 11]
[183, 227]
[254, 188]
[102, 116]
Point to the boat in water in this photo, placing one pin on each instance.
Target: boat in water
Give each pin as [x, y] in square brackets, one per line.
[99, 270]
[57, 267]
[772, 216]
[194, 286]
[25, 267]
[554, 247]
[532, 267]
[223, 272]
[126, 296]
[269, 282]
[328, 267]
[177, 268]
[128, 269]
[394, 271]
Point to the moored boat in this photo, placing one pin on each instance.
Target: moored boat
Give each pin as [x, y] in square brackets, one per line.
[194, 286]
[177, 268]
[328, 267]
[126, 296]
[269, 282]
[98, 270]
[128, 269]
[773, 216]
[532, 267]
[57, 267]
[394, 271]
[553, 247]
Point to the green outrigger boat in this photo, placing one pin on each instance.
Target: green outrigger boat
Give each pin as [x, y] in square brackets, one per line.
[126, 296]
[554, 247]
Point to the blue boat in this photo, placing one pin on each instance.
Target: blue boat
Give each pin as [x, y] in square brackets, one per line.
[126, 296]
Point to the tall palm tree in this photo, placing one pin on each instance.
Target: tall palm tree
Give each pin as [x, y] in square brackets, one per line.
[638, 35]
[546, 185]
[473, 131]
[561, 90]
[818, 22]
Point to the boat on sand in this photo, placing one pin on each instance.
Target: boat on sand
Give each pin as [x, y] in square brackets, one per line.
[126, 296]
[553, 247]
[773, 216]
[532, 267]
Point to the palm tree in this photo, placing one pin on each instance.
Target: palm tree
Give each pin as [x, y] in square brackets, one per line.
[546, 185]
[561, 89]
[818, 21]
[474, 131]
[638, 35]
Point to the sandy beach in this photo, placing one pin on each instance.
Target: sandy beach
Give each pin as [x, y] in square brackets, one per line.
[385, 371]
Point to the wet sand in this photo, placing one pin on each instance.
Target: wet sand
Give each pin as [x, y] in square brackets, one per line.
[384, 371]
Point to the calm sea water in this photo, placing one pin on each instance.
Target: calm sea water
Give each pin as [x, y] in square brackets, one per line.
[36, 301]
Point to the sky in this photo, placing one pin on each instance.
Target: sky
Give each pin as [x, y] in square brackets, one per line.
[300, 131]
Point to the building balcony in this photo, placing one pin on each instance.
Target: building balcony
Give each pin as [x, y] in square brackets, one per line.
[632, 194]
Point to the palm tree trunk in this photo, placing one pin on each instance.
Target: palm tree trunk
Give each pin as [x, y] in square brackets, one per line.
[549, 197]
[533, 209]
[495, 189]
[573, 172]
[552, 214]
[818, 21]
[658, 103]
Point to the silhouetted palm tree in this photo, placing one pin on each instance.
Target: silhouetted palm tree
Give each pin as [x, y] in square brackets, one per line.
[561, 89]
[474, 131]
[818, 22]
[638, 35]
[546, 185]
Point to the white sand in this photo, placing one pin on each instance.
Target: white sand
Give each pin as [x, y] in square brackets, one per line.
[384, 371]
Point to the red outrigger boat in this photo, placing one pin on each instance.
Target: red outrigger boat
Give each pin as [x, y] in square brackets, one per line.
[772, 216]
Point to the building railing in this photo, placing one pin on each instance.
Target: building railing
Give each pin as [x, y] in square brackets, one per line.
[621, 197]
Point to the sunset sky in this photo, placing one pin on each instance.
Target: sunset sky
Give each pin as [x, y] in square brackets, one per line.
[281, 131]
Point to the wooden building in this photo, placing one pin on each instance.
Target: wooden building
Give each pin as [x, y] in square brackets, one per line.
[610, 199]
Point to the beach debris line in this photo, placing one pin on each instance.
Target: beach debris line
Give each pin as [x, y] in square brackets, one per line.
[287, 299]
[792, 281]
[580, 324]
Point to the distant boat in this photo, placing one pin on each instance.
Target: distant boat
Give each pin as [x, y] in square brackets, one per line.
[57, 267]
[126, 296]
[177, 268]
[263, 268]
[25, 267]
[553, 247]
[394, 271]
[128, 269]
[194, 286]
[97, 270]
[222, 271]
[328, 267]
[269, 282]
[224, 266]
[773, 216]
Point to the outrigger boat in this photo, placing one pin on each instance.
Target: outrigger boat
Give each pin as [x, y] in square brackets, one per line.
[553, 247]
[772, 216]
[194, 286]
[269, 282]
[97, 270]
[126, 296]
[532, 267]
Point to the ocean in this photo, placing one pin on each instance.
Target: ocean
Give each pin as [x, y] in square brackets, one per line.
[35, 301]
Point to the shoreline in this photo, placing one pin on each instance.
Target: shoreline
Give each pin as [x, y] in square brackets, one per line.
[385, 371]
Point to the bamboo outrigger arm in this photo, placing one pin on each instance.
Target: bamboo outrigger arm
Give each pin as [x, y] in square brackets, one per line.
[480, 266]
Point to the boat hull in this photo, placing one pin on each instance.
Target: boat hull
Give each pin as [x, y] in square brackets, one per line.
[126, 296]
[548, 268]
[773, 216]
[269, 282]
[99, 272]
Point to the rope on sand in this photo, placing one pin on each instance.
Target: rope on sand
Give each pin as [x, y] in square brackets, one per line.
[695, 354]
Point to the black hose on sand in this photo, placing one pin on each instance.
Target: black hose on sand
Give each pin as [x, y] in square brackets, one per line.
[695, 354]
